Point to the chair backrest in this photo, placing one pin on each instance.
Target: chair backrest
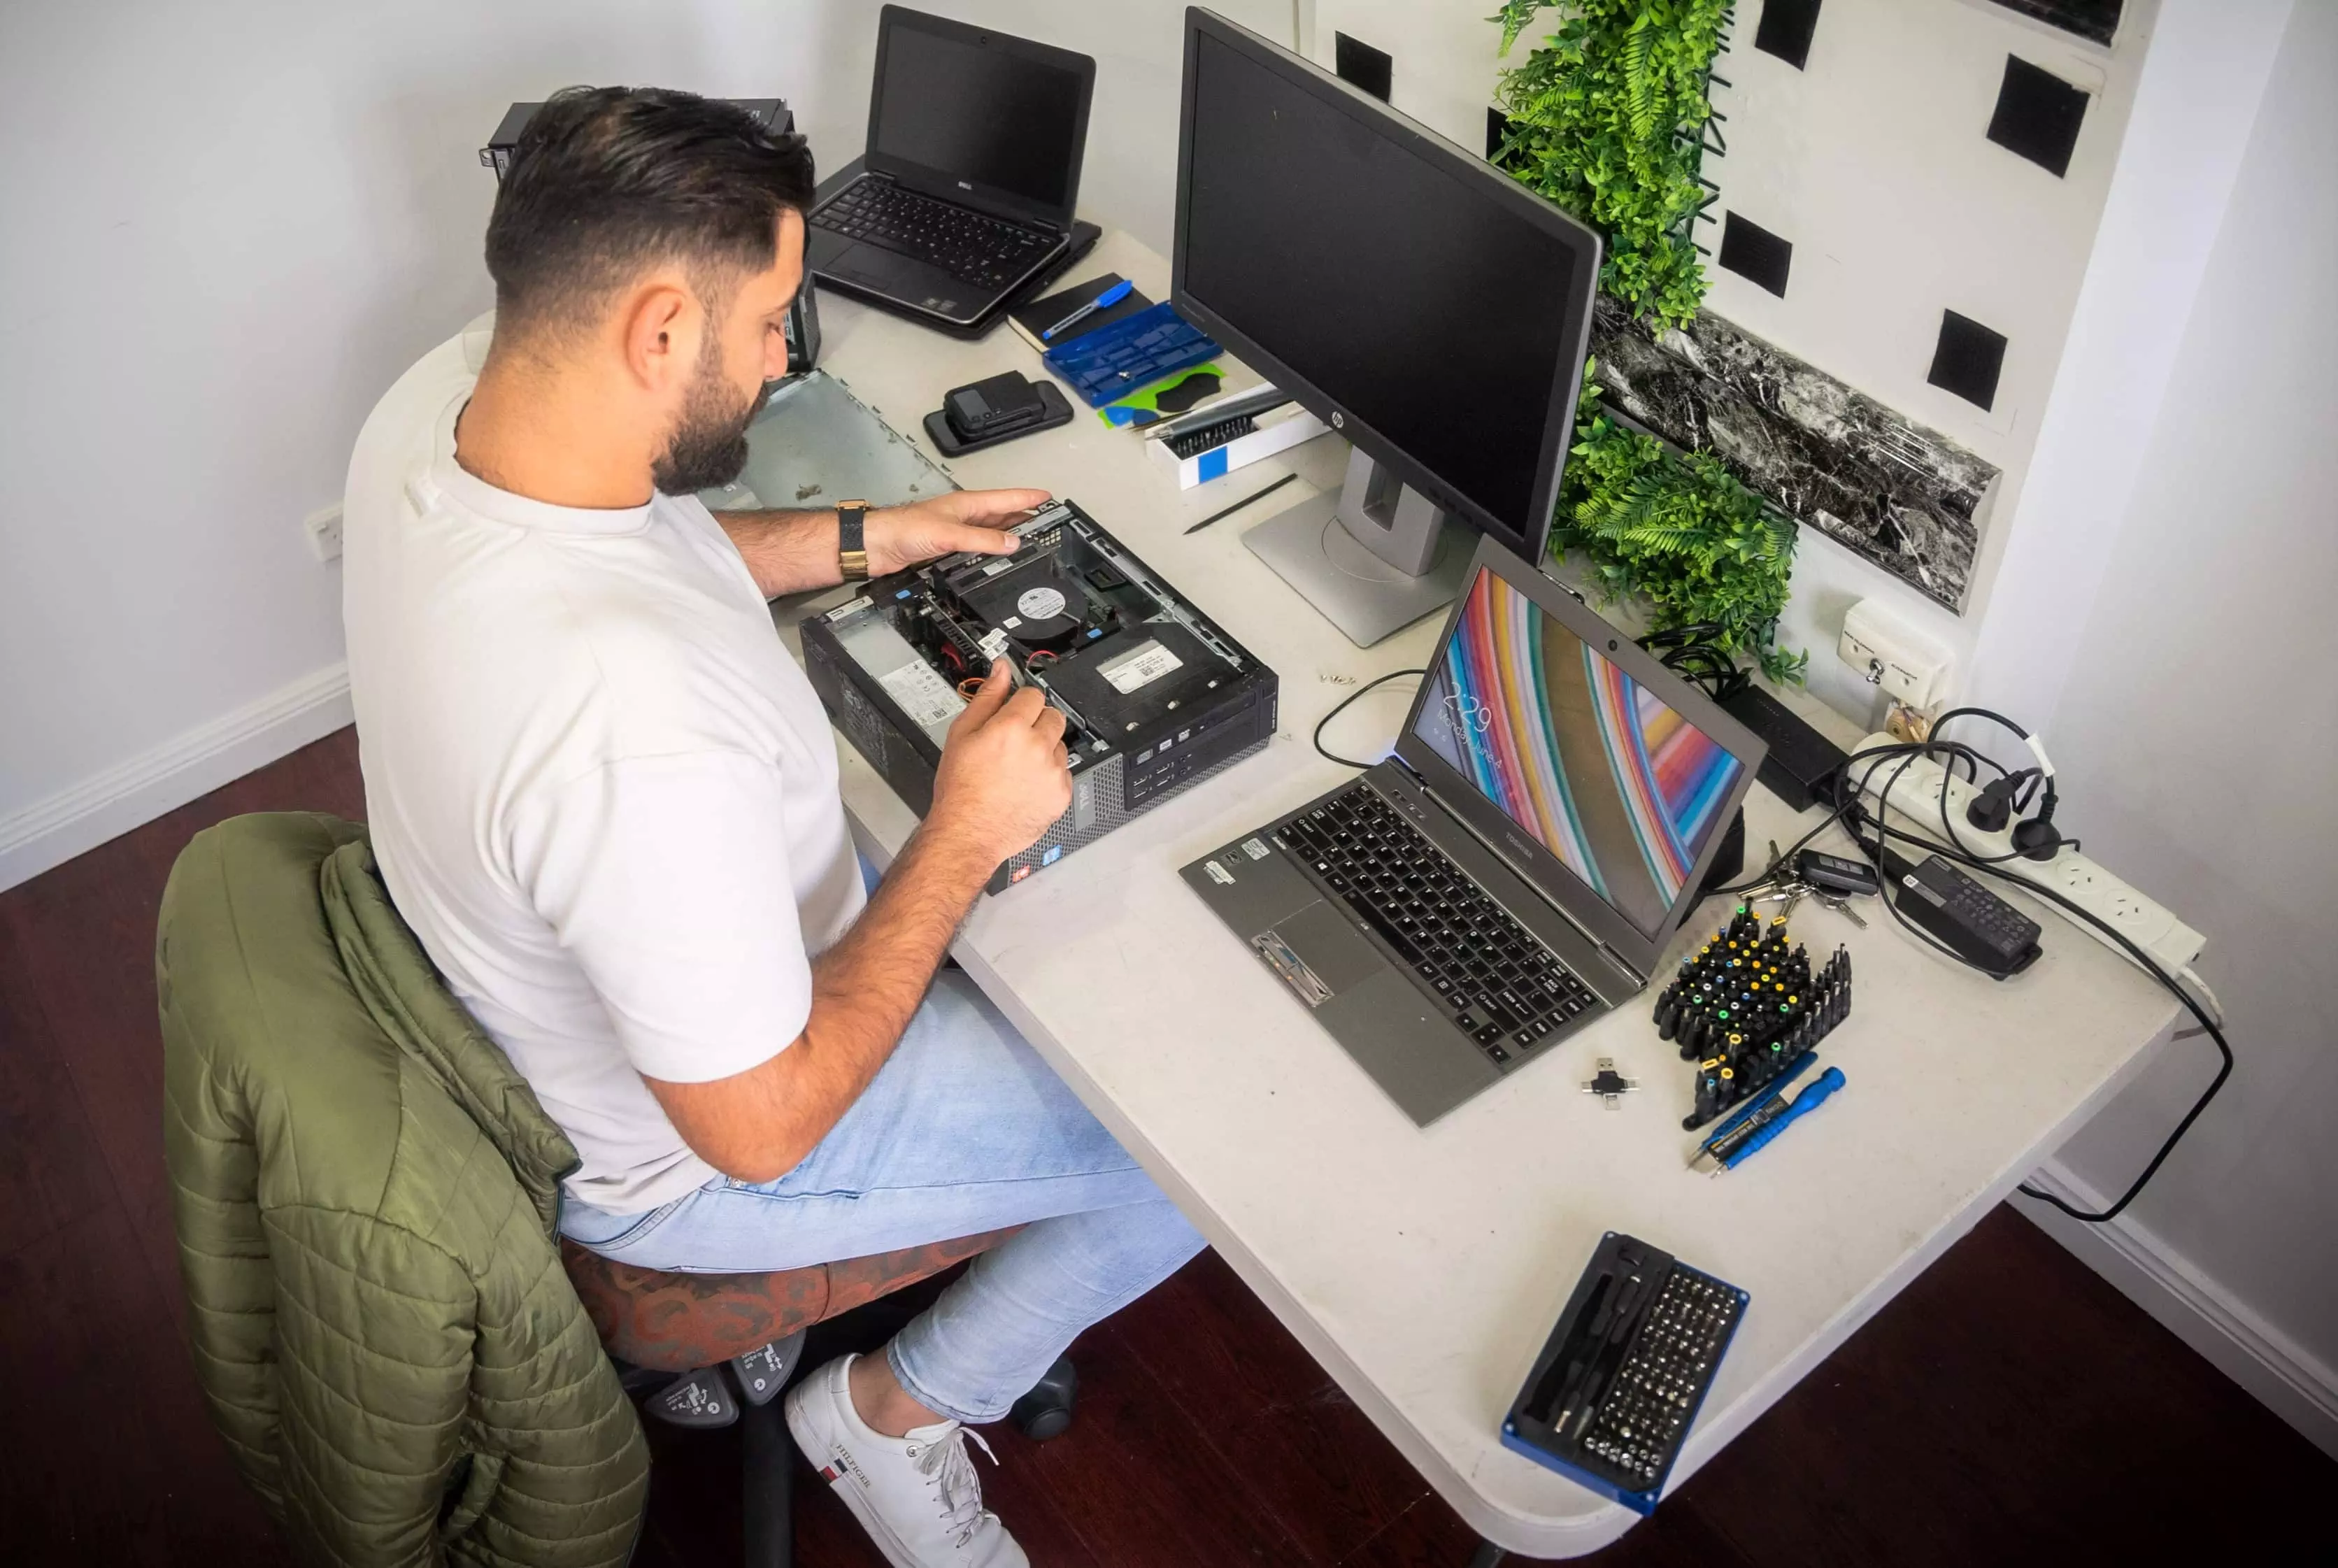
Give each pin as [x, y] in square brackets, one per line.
[333, 1186]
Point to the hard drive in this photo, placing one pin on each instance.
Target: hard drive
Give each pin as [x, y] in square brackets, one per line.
[1156, 697]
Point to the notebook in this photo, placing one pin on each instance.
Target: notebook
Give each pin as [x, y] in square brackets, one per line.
[1031, 321]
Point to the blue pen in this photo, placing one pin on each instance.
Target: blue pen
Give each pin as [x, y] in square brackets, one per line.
[1112, 296]
[1809, 1100]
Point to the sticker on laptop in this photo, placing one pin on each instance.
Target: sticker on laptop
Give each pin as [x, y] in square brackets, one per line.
[1140, 666]
[1293, 969]
[1255, 849]
[1218, 874]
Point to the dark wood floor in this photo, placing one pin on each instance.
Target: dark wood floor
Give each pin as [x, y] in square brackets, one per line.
[2008, 1407]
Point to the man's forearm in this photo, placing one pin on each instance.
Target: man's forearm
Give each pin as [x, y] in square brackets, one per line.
[786, 552]
[865, 989]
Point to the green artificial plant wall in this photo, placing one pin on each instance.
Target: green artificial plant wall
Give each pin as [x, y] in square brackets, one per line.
[1680, 534]
[1607, 119]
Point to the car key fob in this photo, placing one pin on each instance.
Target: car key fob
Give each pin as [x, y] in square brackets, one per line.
[1834, 873]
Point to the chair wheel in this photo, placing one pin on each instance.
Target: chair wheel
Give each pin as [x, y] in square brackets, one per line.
[1047, 1410]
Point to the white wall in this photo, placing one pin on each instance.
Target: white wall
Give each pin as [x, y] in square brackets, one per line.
[226, 229]
[2197, 740]
[1873, 162]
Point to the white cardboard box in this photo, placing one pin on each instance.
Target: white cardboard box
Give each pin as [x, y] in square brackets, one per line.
[1279, 430]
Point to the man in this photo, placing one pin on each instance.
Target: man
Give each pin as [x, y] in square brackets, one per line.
[606, 799]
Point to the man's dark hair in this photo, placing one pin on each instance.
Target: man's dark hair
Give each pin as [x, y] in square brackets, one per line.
[607, 182]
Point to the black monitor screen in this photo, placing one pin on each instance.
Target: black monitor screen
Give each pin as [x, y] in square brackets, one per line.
[1605, 773]
[978, 114]
[1409, 297]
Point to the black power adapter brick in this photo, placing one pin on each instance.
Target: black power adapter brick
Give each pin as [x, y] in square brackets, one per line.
[1802, 765]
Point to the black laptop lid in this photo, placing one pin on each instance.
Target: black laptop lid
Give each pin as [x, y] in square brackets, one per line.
[1596, 769]
[981, 117]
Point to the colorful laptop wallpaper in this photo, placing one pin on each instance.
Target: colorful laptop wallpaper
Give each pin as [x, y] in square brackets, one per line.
[1601, 771]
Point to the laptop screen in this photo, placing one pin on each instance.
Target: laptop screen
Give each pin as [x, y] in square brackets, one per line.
[985, 116]
[1601, 770]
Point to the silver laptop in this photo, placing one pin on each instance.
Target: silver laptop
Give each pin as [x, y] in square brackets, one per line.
[1516, 869]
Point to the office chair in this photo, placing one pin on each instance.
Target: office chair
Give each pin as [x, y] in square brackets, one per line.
[708, 1350]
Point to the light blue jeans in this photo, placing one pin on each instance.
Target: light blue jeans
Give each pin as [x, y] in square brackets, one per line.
[964, 1129]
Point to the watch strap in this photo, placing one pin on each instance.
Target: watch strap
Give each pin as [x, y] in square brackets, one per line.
[851, 539]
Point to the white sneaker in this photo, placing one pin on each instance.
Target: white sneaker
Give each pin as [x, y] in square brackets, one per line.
[918, 1495]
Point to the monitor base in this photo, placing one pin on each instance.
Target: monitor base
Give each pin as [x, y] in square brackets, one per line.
[1366, 598]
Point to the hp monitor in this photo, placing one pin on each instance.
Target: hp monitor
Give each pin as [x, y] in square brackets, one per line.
[1425, 305]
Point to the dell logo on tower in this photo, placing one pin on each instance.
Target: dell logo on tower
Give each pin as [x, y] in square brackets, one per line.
[964, 186]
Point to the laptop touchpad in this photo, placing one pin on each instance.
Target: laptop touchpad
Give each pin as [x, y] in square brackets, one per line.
[877, 267]
[1333, 949]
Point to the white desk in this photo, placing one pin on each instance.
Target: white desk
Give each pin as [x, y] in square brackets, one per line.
[1424, 1269]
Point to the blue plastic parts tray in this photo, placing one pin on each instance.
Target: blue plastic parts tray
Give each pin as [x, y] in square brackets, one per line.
[1130, 355]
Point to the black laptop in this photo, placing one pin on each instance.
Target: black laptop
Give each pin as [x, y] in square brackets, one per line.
[1516, 869]
[972, 170]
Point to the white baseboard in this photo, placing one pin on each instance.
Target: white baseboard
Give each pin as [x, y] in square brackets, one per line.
[52, 831]
[2281, 1375]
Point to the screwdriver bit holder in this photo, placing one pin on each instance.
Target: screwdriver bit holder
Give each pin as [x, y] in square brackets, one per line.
[1619, 1383]
[1747, 1006]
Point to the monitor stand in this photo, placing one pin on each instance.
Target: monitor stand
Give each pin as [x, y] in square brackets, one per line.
[1374, 558]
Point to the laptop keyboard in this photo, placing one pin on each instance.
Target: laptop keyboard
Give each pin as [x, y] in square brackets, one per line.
[970, 246]
[1500, 983]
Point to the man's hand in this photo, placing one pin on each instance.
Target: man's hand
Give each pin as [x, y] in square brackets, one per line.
[1004, 775]
[794, 551]
[971, 520]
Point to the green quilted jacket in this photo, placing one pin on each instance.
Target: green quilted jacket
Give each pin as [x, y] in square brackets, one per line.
[365, 1193]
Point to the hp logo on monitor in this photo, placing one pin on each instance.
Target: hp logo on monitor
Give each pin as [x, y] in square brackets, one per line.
[1339, 420]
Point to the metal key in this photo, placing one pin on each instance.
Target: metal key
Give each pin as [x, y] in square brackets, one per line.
[1840, 904]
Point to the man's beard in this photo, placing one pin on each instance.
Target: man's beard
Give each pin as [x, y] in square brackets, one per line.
[708, 448]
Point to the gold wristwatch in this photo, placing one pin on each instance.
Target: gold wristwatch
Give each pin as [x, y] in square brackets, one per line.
[851, 547]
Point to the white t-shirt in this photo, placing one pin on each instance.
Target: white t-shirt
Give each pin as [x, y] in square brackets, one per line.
[600, 790]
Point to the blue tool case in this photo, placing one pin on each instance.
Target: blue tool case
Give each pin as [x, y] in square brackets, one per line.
[1131, 354]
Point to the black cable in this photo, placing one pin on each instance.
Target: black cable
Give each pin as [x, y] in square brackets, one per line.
[1342, 708]
[1992, 866]
[1769, 872]
[1695, 655]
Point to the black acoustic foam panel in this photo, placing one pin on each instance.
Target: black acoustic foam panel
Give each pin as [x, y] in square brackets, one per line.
[1753, 251]
[1368, 68]
[1786, 29]
[2037, 116]
[2095, 19]
[1968, 359]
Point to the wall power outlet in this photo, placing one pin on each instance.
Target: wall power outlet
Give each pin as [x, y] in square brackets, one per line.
[323, 528]
[1891, 654]
[1915, 795]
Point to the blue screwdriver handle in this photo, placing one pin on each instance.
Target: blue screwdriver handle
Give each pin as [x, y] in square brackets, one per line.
[1808, 1101]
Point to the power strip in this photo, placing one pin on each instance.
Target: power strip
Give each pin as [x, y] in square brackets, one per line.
[1915, 795]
